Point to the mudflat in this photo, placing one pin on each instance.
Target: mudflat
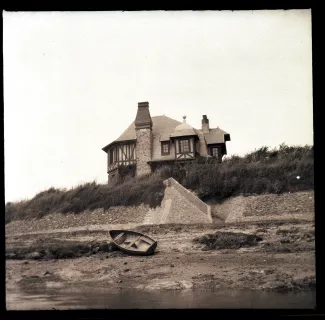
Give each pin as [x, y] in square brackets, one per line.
[282, 260]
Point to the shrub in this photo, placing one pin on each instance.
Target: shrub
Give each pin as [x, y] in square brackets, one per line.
[164, 171]
[227, 240]
[262, 171]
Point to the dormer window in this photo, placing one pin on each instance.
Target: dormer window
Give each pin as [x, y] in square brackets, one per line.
[165, 148]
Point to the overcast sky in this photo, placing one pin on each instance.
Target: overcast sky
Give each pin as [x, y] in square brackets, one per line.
[72, 81]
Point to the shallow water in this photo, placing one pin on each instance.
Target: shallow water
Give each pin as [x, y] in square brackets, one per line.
[86, 298]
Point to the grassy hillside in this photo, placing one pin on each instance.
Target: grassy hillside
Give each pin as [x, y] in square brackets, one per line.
[147, 190]
[261, 171]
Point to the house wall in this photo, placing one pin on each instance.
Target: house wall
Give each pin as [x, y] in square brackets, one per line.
[156, 150]
[113, 177]
[143, 151]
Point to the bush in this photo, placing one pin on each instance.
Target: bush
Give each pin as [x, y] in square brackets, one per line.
[227, 240]
[164, 171]
[262, 171]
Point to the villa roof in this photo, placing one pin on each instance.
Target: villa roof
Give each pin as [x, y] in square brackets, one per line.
[163, 128]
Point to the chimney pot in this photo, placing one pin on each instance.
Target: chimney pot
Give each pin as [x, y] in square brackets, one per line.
[205, 124]
[143, 104]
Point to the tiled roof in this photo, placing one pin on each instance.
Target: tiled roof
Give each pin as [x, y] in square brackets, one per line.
[216, 135]
[185, 132]
[184, 129]
[164, 137]
[162, 129]
[163, 126]
[128, 134]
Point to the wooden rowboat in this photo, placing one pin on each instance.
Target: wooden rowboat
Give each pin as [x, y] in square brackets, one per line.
[133, 242]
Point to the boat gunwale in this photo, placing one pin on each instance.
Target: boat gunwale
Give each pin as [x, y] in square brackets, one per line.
[149, 251]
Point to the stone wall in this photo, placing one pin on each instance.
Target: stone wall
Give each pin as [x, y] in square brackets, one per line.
[286, 206]
[98, 217]
[143, 151]
[179, 206]
[187, 194]
[182, 210]
[177, 209]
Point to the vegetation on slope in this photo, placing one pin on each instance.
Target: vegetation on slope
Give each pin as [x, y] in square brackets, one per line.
[89, 196]
[261, 171]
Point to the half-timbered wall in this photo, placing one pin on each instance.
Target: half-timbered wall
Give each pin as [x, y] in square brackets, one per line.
[121, 155]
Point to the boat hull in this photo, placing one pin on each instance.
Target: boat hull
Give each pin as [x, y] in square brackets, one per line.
[133, 243]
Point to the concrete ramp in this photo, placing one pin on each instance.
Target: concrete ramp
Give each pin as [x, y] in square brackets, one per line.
[179, 205]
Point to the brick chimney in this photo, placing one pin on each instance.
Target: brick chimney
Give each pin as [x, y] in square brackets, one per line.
[143, 118]
[205, 124]
[143, 129]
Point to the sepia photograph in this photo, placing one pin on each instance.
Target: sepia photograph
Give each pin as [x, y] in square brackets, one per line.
[159, 160]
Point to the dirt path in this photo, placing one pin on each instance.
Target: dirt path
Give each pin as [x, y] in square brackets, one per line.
[103, 227]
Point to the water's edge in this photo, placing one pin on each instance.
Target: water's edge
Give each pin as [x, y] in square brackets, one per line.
[85, 298]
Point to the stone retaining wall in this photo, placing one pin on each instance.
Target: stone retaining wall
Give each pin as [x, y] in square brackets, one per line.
[114, 215]
[189, 196]
[179, 205]
[286, 206]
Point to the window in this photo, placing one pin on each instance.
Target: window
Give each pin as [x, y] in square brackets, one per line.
[214, 152]
[184, 145]
[112, 155]
[165, 148]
